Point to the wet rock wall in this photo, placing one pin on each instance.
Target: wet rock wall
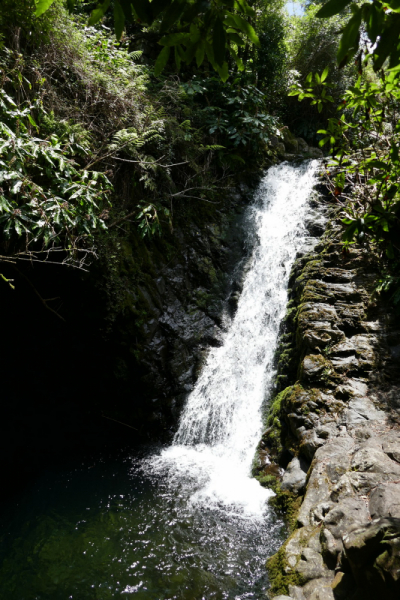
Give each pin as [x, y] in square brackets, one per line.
[177, 295]
[333, 429]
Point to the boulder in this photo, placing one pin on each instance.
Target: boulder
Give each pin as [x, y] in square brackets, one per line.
[302, 145]
[346, 514]
[294, 478]
[319, 589]
[296, 592]
[361, 410]
[291, 143]
[315, 152]
[311, 565]
[314, 367]
[373, 553]
[384, 500]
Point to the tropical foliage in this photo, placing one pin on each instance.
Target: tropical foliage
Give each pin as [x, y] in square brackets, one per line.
[47, 204]
[364, 140]
[196, 31]
[381, 21]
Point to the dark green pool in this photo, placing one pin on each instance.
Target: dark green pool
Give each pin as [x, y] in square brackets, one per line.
[105, 529]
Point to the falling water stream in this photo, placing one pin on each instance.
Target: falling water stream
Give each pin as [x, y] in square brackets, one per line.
[185, 522]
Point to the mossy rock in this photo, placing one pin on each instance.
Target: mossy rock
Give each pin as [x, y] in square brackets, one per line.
[290, 141]
[281, 574]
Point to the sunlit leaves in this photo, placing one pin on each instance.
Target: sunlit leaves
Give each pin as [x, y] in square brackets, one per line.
[99, 12]
[196, 29]
[42, 6]
[382, 24]
[350, 38]
[45, 198]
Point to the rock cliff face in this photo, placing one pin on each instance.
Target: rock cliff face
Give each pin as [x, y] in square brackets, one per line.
[178, 294]
[335, 428]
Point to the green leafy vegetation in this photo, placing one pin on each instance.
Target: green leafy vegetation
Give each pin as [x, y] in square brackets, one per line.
[94, 141]
[47, 204]
[381, 21]
[363, 173]
[196, 31]
[312, 47]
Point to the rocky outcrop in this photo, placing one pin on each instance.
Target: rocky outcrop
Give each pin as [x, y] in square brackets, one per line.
[177, 294]
[335, 427]
[290, 147]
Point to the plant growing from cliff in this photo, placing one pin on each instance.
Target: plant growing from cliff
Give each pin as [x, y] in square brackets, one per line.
[233, 114]
[364, 173]
[364, 170]
[47, 203]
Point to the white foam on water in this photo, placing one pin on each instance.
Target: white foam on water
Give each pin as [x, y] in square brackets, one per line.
[221, 423]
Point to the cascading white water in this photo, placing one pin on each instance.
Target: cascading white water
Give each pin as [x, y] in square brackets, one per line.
[221, 423]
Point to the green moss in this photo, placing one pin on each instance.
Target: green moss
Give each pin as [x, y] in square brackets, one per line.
[281, 575]
[202, 298]
[275, 406]
[281, 403]
[288, 504]
[269, 481]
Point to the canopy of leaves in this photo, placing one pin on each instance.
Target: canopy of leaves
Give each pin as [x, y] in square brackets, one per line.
[364, 169]
[312, 46]
[194, 29]
[381, 21]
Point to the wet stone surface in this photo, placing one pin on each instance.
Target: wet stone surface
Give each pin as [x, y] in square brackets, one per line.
[340, 419]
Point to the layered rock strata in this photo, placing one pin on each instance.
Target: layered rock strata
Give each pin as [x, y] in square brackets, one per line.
[336, 430]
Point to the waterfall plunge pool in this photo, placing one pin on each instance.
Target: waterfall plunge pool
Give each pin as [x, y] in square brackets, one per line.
[110, 529]
[185, 522]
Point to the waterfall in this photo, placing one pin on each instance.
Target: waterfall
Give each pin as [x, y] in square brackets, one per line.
[221, 423]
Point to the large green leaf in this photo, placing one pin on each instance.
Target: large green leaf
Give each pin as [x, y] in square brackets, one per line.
[219, 41]
[238, 61]
[235, 38]
[210, 54]
[178, 59]
[333, 7]
[191, 51]
[239, 23]
[374, 20]
[350, 37]
[388, 42]
[99, 12]
[200, 53]
[119, 19]
[174, 38]
[325, 74]
[223, 71]
[162, 60]
[42, 6]
[127, 8]
[350, 231]
[172, 15]
[243, 7]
